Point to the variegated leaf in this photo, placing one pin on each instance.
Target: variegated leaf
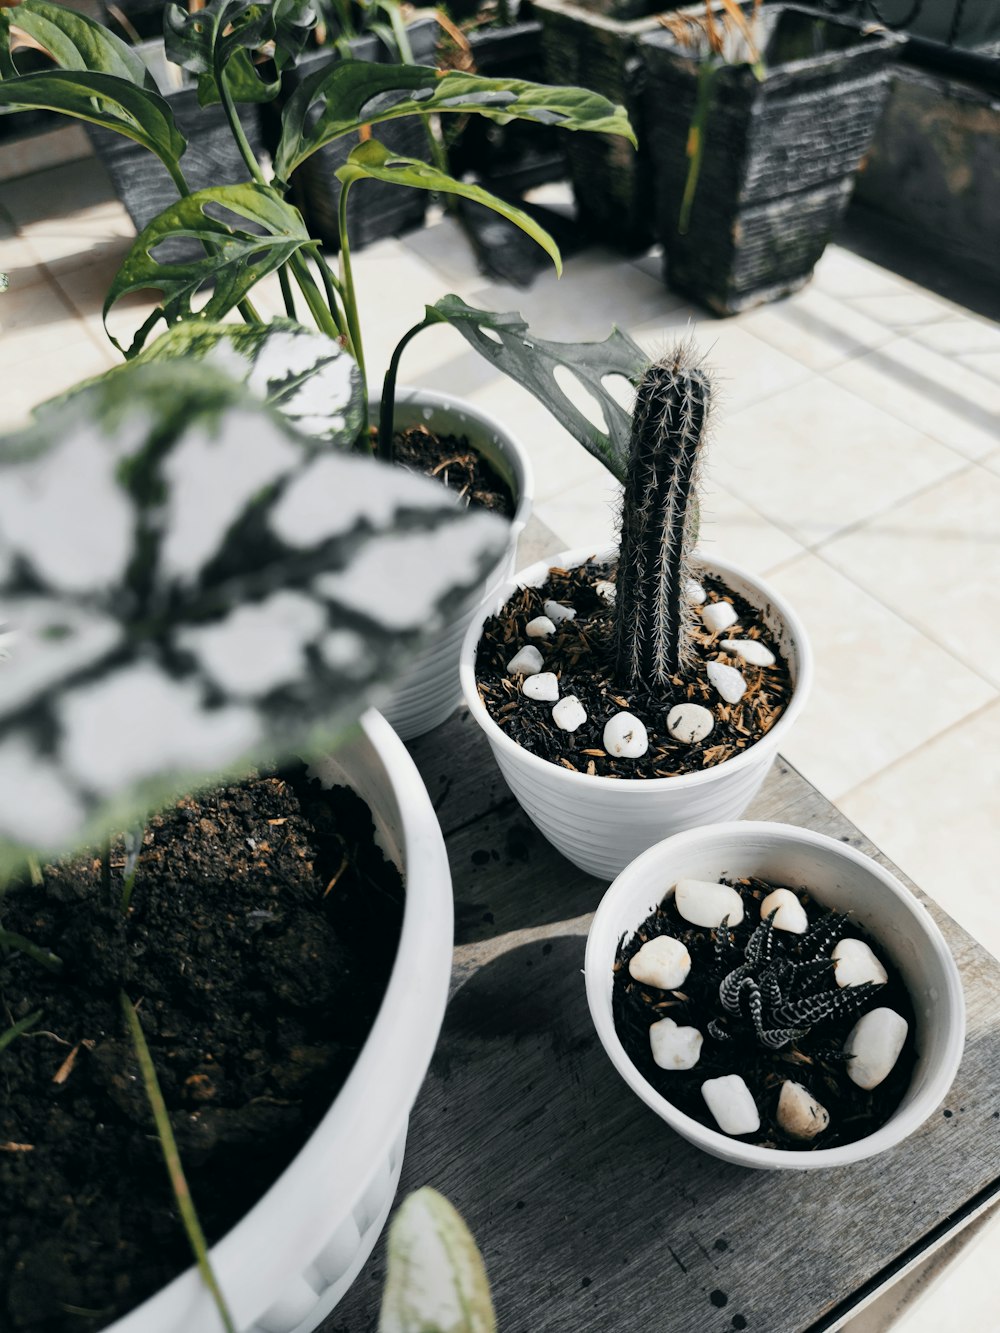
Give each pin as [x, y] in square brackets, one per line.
[194, 587]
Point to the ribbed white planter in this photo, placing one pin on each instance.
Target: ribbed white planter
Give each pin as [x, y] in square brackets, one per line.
[430, 691]
[600, 823]
[837, 876]
[285, 1266]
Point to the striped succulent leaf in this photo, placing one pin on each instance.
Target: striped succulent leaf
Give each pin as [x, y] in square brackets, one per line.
[191, 587]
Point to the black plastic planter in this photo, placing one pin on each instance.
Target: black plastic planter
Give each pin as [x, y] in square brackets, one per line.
[779, 158]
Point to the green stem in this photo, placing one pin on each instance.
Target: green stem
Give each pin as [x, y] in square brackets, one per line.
[35, 871]
[18, 1028]
[349, 294]
[171, 1157]
[387, 407]
[325, 319]
[287, 295]
[10, 939]
[696, 142]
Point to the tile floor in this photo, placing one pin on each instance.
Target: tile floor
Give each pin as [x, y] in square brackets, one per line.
[856, 464]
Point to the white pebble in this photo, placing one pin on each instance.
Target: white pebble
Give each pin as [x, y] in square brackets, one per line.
[689, 723]
[704, 903]
[854, 964]
[695, 592]
[542, 685]
[525, 663]
[662, 962]
[674, 1047]
[718, 616]
[625, 736]
[874, 1043]
[751, 650]
[790, 914]
[605, 590]
[731, 1102]
[569, 713]
[727, 681]
[799, 1113]
[539, 628]
[558, 613]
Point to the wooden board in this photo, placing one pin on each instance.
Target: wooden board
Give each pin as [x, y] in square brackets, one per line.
[592, 1215]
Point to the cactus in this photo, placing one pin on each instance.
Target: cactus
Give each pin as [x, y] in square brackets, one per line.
[658, 520]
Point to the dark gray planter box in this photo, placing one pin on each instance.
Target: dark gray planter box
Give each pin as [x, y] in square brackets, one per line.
[780, 155]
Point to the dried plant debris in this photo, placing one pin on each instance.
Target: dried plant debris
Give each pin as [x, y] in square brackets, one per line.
[779, 1023]
[689, 725]
[457, 465]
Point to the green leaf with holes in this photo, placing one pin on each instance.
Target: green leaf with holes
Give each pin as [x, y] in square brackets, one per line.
[193, 588]
[371, 160]
[221, 39]
[75, 41]
[236, 258]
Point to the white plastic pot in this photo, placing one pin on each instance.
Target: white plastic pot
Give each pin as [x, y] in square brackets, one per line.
[430, 691]
[288, 1262]
[601, 823]
[837, 876]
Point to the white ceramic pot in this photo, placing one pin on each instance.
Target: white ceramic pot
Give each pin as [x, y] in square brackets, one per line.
[837, 876]
[430, 691]
[600, 823]
[288, 1262]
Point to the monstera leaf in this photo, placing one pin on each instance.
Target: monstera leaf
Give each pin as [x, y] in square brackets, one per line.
[192, 587]
[235, 258]
[339, 99]
[506, 340]
[75, 42]
[436, 1282]
[216, 41]
[305, 375]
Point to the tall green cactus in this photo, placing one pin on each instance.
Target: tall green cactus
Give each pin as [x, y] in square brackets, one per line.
[659, 519]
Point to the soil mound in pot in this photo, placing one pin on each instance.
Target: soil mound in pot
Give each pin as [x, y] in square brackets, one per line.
[580, 653]
[453, 462]
[262, 931]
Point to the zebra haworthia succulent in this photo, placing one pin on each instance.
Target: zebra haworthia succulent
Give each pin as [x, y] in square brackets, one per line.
[658, 521]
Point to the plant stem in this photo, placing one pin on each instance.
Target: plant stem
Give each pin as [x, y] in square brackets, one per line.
[35, 872]
[325, 319]
[9, 939]
[18, 1028]
[287, 295]
[349, 295]
[171, 1157]
[387, 407]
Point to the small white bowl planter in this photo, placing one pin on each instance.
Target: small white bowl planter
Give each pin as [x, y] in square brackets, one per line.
[288, 1262]
[430, 691]
[602, 823]
[837, 876]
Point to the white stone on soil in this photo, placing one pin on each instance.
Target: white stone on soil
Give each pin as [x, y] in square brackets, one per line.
[731, 1102]
[557, 612]
[606, 591]
[689, 723]
[727, 681]
[751, 650]
[662, 962]
[543, 685]
[525, 663]
[790, 914]
[695, 592]
[539, 628]
[569, 713]
[799, 1113]
[874, 1044]
[704, 903]
[674, 1047]
[718, 616]
[854, 964]
[625, 737]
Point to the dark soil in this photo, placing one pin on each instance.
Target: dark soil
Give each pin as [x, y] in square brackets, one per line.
[813, 1060]
[452, 461]
[580, 654]
[262, 930]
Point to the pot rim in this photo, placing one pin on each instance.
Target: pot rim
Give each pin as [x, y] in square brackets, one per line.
[902, 1122]
[533, 575]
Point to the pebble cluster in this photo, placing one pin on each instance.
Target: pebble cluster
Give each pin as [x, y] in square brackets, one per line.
[871, 1049]
[625, 735]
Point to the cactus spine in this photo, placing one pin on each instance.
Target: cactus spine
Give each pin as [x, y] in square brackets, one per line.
[659, 519]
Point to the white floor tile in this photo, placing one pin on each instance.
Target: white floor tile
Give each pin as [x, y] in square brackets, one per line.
[848, 276]
[732, 530]
[79, 358]
[583, 515]
[935, 814]
[816, 329]
[816, 459]
[936, 561]
[881, 688]
[902, 311]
